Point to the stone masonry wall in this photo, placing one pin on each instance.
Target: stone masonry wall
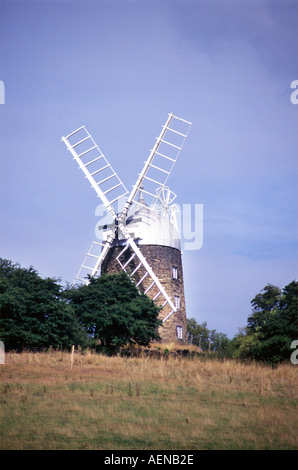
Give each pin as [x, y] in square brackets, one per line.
[161, 259]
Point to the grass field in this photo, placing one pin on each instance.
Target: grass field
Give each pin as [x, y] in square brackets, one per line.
[117, 403]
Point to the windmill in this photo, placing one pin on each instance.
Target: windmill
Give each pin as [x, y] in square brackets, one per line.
[143, 239]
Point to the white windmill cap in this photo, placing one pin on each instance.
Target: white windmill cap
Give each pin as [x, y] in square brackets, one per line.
[151, 227]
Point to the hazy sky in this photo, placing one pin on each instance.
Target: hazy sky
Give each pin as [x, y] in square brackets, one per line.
[119, 67]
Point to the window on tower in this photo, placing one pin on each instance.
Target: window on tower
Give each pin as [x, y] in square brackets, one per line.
[177, 301]
[179, 332]
[174, 272]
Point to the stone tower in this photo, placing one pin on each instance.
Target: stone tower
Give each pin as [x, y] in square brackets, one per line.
[159, 242]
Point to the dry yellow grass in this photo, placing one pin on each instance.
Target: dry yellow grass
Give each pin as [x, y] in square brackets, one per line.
[141, 403]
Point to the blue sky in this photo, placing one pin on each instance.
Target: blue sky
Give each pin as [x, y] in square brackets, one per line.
[119, 67]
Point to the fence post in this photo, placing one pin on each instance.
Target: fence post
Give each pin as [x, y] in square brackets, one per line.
[2, 353]
[71, 356]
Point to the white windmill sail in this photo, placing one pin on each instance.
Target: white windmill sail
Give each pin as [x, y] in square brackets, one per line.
[161, 160]
[161, 292]
[104, 181]
[96, 168]
[92, 261]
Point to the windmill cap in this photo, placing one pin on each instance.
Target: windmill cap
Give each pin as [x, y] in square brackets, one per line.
[151, 227]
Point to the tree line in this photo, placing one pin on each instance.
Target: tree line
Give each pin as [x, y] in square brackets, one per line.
[109, 312]
[39, 313]
[272, 326]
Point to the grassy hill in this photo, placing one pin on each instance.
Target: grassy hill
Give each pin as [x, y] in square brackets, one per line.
[173, 403]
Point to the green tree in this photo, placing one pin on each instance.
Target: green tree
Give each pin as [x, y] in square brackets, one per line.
[282, 327]
[208, 339]
[265, 305]
[113, 312]
[272, 325]
[199, 333]
[33, 313]
[288, 311]
[244, 344]
[220, 343]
